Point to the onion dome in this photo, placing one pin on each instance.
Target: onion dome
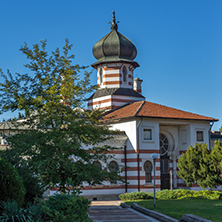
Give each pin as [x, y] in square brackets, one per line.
[114, 47]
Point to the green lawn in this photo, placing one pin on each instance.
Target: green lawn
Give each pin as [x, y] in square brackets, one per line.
[209, 209]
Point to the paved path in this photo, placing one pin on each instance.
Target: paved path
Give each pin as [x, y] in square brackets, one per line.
[109, 211]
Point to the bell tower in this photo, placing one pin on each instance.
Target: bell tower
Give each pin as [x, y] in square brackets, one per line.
[115, 64]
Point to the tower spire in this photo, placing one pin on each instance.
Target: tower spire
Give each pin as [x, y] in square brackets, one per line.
[114, 25]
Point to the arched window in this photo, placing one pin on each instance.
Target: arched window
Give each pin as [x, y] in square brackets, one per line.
[113, 166]
[148, 171]
[164, 145]
[101, 75]
[124, 73]
[97, 164]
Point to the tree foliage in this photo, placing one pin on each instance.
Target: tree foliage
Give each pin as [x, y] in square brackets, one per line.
[202, 166]
[11, 183]
[32, 183]
[59, 139]
[65, 207]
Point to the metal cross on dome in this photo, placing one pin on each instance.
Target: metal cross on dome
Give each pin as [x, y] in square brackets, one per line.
[114, 25]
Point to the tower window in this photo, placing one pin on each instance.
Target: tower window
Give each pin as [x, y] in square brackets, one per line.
[101, 76]
[124, 73]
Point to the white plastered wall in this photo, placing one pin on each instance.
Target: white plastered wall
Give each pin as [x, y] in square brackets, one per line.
[199, 126]
[130, 129]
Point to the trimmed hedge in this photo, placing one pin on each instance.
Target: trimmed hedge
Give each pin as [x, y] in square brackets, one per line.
[183, 194]
[12, 186]
[172, 194]
[135, 196]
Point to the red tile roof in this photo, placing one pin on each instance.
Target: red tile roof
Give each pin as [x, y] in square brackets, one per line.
[153, 110]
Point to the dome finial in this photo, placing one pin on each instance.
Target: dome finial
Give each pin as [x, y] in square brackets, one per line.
[114, 24]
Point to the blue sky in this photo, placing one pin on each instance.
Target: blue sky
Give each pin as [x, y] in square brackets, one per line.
[179, 43]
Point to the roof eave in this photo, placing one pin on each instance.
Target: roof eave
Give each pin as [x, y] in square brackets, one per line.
[127, 117]
[133, 63]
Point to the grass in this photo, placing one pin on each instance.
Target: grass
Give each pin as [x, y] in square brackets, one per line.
[209, 209]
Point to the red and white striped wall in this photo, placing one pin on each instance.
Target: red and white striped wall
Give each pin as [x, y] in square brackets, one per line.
[111, 101]
[111, 75]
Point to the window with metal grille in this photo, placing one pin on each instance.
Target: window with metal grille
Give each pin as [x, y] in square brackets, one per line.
[200, 137]
[97, 164]
[148, 171]
[164, 144]
[147, 134]
[113, 166]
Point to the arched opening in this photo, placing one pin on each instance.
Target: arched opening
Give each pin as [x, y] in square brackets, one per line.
[164, 162]
[148, 171]
[164, 145]
[124, 73]
[113, 166]
[97, 164]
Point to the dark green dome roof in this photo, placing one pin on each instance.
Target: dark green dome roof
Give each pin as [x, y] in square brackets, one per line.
[114, 47]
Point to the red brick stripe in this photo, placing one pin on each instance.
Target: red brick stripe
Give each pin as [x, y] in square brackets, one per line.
[107, 187]
[130, 160]
[149, 151]
[132, 168]
[112, 83]
[134, 178]
[112, 75]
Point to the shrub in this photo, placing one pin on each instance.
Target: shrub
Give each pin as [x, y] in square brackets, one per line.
[209, 194]
[12, 212]
[65, 207]
[32, 184]
[11, 183]
[135, 196]
[34, 212]
[172, 194]
[183, 194]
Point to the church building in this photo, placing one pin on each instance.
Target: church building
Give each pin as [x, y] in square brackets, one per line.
[145, 127]
[148, 127]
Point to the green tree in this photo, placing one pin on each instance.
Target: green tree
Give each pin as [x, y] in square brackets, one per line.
[202, 166]
[12, 187]
[32, 183]
[59, 139]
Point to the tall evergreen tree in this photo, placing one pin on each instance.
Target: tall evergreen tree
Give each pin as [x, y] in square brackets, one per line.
[201, 165]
